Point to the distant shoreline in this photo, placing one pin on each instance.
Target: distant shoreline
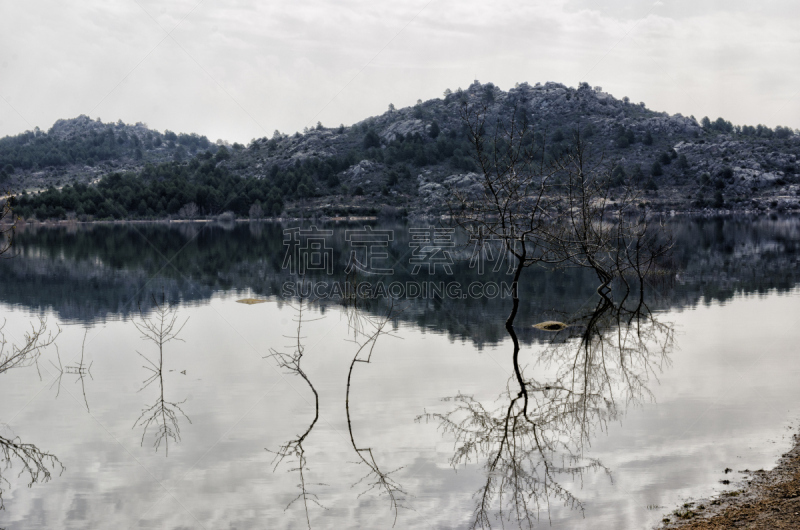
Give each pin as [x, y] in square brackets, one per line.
[66, 222]
[693, 214]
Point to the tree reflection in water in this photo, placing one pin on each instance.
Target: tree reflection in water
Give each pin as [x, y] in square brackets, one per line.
[293, 451]
[80, 369]
[161, 328]
[36, 339]
[35, 463]
[536, 437]
[367, 330]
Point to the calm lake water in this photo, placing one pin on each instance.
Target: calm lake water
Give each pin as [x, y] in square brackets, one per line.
[638, 405]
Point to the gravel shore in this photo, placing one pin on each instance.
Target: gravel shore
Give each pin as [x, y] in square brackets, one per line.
[765, 500]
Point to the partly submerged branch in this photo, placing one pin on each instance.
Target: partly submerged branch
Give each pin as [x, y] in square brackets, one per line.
[35, 339]
[79, 369]
[367, 331]
[293, 450]
[160, 328]
[36, 464]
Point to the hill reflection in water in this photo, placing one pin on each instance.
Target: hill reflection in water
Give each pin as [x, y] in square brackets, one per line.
[554, 430]
[95, 273]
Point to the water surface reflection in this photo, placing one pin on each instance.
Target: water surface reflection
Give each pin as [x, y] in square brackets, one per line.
[583, 426]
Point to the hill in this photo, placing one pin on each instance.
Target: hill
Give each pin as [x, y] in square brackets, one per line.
[78, 149]
[401, 161]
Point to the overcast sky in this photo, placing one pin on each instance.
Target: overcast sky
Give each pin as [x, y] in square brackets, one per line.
[241, 69]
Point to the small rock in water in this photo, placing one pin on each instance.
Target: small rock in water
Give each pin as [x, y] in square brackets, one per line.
[251, 301]
[550, 325]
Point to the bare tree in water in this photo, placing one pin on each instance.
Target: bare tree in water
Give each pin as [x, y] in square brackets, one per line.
[34, 340]
[367, 330]
[79, 369]
[561, 210]
[293, 451]
[544, 210]
[600, 362]
[607, 229]
[160, 328]
[35, 463]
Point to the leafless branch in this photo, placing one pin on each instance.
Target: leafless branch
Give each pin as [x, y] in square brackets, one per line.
[36, 464]
[80, 369]
[293, 449]
[369, 330]
[160, 328]
[28, 352]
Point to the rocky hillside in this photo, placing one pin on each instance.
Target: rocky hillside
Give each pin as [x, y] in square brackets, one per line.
[83, 150]
[407, 159]
[681, 162]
